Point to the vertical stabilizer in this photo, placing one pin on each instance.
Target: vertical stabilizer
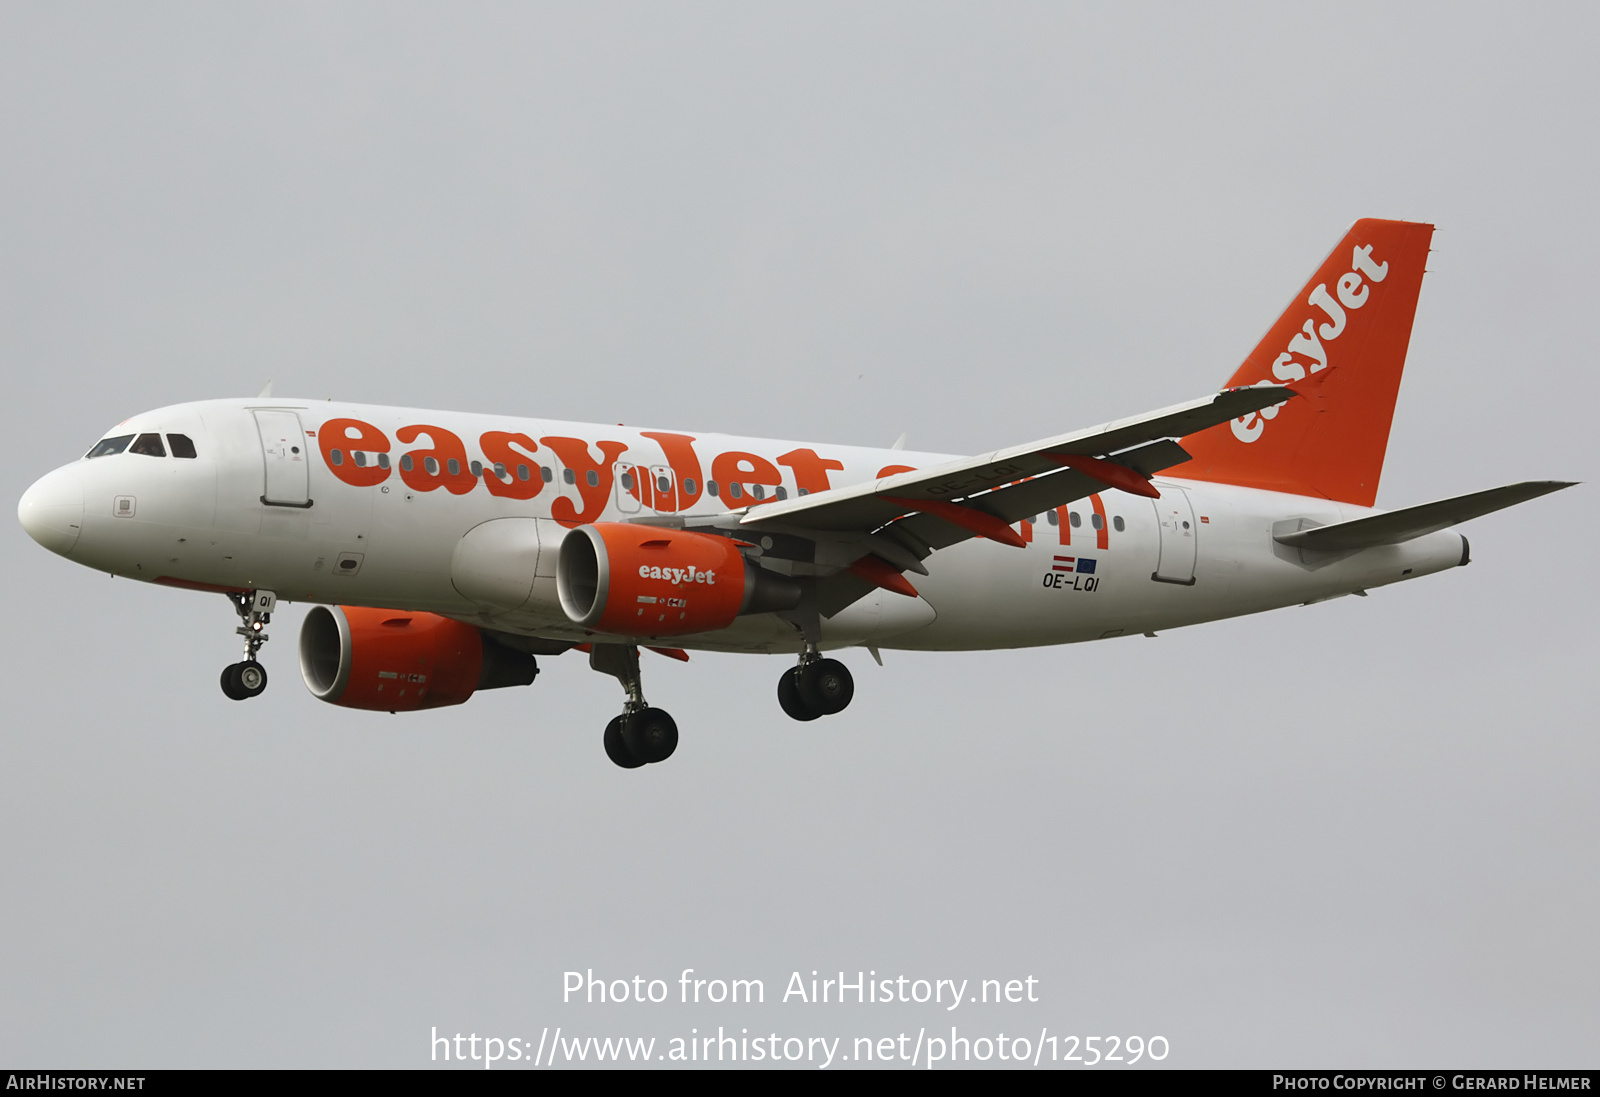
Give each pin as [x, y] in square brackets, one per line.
[1341, 345]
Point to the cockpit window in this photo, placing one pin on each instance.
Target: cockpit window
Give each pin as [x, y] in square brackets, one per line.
[107, 446]
[149, 445]
[181, 445]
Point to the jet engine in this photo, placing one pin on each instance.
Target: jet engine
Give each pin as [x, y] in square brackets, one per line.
[392, 661]
[639, 580]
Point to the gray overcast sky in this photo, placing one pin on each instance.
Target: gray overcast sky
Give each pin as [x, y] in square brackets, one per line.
[1361, 833]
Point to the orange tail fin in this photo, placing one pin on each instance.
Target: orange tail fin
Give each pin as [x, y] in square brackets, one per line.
[1341, 345]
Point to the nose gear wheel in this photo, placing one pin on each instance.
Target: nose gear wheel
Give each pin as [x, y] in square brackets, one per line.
[242, 681]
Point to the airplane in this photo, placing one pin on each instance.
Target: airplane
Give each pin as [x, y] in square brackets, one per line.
[445, 552]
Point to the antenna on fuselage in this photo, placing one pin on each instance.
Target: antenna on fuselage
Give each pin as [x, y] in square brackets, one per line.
[266, 390]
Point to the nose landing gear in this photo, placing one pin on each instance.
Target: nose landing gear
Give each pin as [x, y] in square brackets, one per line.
[241, 681]
[815, 687]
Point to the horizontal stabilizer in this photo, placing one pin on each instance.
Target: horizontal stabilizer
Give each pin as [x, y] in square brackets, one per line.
[1412, 522]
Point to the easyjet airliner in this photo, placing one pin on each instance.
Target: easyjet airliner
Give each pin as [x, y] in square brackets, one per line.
[448, 551]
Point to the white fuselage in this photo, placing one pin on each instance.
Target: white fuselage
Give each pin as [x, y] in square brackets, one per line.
[247, 513]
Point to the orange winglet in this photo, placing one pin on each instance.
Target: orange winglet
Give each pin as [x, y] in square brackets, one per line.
[1110, 473]
[673, 653]
[975, 521]
[880, 574]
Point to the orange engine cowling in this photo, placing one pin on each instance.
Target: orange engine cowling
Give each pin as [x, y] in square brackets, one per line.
[394, 661]
[637, 580]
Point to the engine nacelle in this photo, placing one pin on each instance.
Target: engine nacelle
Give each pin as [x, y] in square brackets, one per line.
[392, 661]
[638, 580]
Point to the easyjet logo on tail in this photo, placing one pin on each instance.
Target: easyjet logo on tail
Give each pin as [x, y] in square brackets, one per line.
[1307, 352]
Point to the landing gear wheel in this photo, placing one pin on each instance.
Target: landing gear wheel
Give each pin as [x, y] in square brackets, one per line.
[789, 698]
[616, 749]
[826, 686]
[650, 734]
[252, 678]
[242, 681]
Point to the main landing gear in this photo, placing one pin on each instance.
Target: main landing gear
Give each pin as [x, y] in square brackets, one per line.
[815, 687]
[241, 681]
[642, 734]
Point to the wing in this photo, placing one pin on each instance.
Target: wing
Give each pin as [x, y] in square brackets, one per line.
[1024, 480]
[851, 540]
[879, 530]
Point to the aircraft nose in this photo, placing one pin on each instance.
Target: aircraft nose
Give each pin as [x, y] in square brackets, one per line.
[52, 510]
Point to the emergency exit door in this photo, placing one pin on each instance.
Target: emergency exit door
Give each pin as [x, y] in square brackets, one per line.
[1175, 519]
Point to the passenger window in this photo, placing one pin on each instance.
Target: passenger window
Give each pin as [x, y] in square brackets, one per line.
[593, 477]
[1097, 522]
[688, 485]
[383, 460]
[181, 445]
[735, 490]
[108, 446]
[569, 476]
[1075, 519]
[1052, 517]
[477, 468]
[781, 494]
[1117, 524]
[711, 486]
[454, 466]
[545, 474]
[149, 445]
[337, 456]
[523, 472]
[406, 463]
[627, 481]
[758, 491]
[431, 465]
[355, 455]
